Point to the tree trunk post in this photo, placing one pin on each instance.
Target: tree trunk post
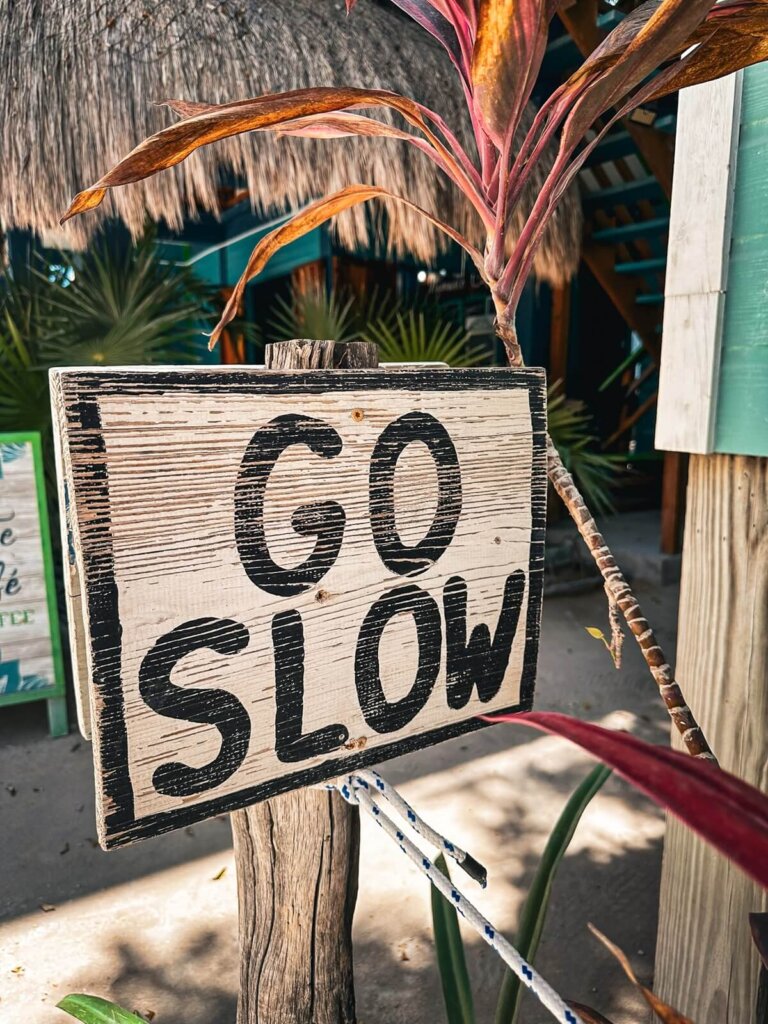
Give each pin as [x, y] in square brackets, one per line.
[296, 856]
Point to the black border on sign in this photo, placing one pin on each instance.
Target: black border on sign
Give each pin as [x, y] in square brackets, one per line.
[81, 392]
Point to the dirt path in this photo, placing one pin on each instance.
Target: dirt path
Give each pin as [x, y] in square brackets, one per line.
[154, 926]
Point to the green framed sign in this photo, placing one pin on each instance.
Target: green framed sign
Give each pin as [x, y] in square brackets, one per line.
[31, 666]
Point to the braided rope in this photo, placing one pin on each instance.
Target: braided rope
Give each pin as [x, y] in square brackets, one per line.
[359, 789]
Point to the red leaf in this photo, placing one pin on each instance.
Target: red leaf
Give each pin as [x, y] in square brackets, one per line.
[432, 17]
[510, 45]
[722, 809]
[429, 17]
[341, 124]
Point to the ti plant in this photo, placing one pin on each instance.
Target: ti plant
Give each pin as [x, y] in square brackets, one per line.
[496, 47]
[727, 813]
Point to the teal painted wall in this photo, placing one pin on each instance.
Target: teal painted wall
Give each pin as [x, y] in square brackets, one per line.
[741, 427]
[226, 262]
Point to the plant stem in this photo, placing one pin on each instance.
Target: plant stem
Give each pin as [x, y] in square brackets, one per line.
[615, 584]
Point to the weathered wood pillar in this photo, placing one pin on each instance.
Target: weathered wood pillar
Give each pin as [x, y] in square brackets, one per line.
[296, 855]
[706, 964]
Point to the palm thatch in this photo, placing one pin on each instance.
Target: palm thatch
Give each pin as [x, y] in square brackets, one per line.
[81, 82]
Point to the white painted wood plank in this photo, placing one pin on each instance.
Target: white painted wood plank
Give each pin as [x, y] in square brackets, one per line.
[156, 468]
[697, 264]
[688, 375]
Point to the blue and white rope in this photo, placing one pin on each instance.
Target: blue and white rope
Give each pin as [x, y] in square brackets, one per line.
[360, 789]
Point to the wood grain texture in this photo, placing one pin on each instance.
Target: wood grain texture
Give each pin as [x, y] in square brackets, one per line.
[297, 857]
[73, 595]
[706, 964]
[697, 267]
[158, 477]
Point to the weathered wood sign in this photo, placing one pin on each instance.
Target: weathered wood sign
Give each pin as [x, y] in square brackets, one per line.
[30, 649]
[288, 575]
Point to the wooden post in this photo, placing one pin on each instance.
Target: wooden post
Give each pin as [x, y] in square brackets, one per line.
[706, 964]
[673, 502]
[558, 335]
[296, 855]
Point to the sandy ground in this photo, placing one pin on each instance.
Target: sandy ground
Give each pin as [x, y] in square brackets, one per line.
[154, 926]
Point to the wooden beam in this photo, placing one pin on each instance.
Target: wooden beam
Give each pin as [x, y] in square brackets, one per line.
[558, 335]
[673, 490]
[630, 421]
[297, 855]
[706, 963]
[697, 264]
[622, 291]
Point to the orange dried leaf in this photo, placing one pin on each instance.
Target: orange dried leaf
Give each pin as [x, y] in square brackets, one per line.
[588, 1015]
[510, 45]
[202, 124]
[735, 36]
[665, 1013]
[307, 220]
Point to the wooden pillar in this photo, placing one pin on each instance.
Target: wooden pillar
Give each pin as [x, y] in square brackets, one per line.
[673, 501]
[558, 335]
[706, 964]
[296, 855]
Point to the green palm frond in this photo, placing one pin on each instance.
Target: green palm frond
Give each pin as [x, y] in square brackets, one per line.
[115, 306]
[318, 314]
[124, 307]
[417, 337]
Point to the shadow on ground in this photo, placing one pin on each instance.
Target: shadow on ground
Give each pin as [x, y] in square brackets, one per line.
[154, 925]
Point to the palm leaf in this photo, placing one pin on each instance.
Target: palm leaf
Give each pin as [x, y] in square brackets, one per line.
[415, 337]
[537, 901]
[451, 961]
[93, 1010]
[314, 314]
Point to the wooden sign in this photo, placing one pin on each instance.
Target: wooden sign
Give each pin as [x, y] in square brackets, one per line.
[288, 575]
[30, 650]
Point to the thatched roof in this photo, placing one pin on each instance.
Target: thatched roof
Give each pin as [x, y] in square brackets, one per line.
[81, 80]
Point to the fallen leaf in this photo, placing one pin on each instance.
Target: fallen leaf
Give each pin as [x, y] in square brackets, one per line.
[47, 907]
[588, 1015]
[665, 1013]
[17, 970]
[64, 849]
[219, 874]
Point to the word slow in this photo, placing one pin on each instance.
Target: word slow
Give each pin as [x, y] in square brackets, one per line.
[475, 662]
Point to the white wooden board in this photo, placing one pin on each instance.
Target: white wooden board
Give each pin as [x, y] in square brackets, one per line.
[287, 575]
[697, 268]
